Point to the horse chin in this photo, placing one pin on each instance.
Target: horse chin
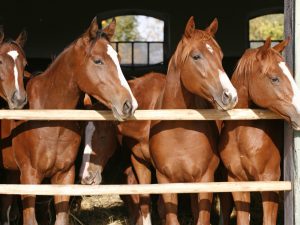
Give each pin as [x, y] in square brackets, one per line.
[220, 106]
[119, 116]
[14, 106]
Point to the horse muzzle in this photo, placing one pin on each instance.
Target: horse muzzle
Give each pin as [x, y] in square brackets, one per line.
[17, 101]
[227, 101]
[125, 111]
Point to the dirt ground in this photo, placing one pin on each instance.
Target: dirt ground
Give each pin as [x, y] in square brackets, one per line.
[110, 210]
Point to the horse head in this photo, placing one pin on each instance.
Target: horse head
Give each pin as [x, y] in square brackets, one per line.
[98, 71]
[12, 65]
[198, 57]
[269, 81]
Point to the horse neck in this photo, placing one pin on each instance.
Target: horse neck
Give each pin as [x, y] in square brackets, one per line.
[56, 87]
[240, 82]
[175, 95]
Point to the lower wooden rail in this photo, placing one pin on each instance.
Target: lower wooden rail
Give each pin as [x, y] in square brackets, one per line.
[77, 190]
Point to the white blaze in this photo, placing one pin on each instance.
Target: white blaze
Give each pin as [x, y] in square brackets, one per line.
[226, 84]
[88, 151]
[209, 48]
[296, 91]
[14, 54]
[147, 220]
[114, 55]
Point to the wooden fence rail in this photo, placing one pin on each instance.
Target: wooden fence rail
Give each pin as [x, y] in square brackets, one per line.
[77, 189]
[173, 114]
[167, 114]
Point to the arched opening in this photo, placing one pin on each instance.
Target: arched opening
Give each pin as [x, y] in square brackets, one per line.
[139, 39]
[264, 26]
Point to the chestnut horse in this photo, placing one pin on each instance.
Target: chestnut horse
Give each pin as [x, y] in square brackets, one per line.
[186, 151]
[195, 71]
[12, 64]
[250, 150]
[12, 72]
[48, 149]
[101, 138]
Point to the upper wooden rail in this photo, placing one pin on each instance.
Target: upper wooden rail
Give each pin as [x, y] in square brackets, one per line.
[173, 114]
[164, 114]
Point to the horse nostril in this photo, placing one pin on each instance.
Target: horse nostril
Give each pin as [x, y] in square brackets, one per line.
[234, 99]
[14, 97]
[226, 97]
[127, 107]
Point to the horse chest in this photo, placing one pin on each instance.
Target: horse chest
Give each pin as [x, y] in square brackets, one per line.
[48, 149]
[182, 151]
[252, 151]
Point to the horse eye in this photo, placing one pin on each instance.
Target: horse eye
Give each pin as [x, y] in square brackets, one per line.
[0, 62]
[196, 57]
[98, 61]
[274, 80]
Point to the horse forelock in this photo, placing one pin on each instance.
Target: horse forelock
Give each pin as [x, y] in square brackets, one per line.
[246, 64]
[185, 47]
[16, 45]
[99, 35]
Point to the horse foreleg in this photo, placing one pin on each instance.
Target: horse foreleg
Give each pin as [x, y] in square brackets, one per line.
[170, 203]
[29, 176]
[62, 202]
[204, 200]
[242, 205]
[270, 207]
[132, 202]
[144, 177]
[204, 208]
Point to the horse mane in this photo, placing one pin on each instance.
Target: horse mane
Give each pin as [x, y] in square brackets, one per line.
[100, 34]
[246, 63]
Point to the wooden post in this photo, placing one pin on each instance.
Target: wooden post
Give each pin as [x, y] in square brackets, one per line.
[291, 143]
[297, 134]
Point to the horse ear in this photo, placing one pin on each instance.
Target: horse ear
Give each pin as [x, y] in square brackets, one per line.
[1, 34]
[109, 30]
[213, 27]
[267, 44]
[263, 49]
[280, 47]
[22, 38]
[190, 27]
[93, 28]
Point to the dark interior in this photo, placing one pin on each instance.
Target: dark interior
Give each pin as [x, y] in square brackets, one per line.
[53, 24]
